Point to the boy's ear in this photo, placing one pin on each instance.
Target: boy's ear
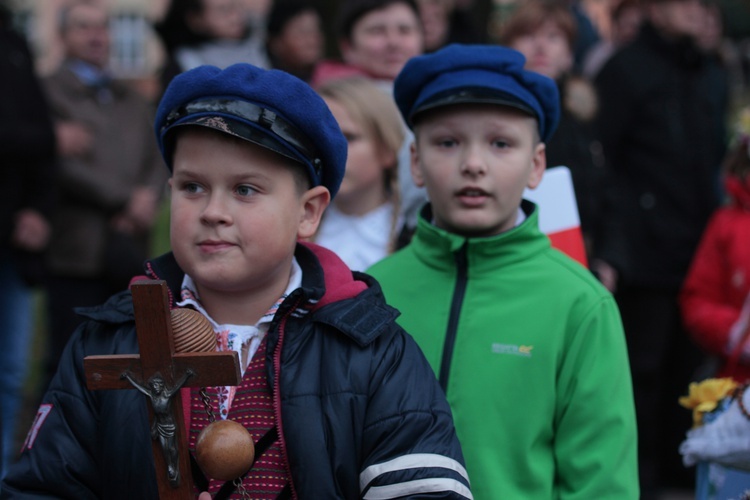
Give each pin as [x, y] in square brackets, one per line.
[416, 172]
[538, 165]
[312, 205]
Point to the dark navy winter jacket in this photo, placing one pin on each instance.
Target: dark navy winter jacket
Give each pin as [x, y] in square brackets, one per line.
[362, 415]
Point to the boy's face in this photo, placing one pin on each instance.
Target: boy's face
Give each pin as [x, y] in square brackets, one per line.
[383, 40]
[476, 161]
[236, 213]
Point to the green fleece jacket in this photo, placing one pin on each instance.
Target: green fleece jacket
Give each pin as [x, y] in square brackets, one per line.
[530, 350]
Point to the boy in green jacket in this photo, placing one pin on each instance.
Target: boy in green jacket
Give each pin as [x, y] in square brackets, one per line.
[527, 345]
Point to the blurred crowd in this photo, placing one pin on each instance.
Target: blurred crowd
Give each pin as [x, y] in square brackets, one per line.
[651, 92]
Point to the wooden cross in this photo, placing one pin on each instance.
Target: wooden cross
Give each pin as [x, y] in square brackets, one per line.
[159, 372]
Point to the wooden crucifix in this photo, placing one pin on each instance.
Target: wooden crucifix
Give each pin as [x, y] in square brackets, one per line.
[159, 372]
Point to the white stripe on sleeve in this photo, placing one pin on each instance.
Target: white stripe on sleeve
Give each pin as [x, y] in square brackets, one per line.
[432, 485]
[413, 461]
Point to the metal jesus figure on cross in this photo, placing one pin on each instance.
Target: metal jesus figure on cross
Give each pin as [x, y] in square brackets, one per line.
[163, 426]
[159, 373]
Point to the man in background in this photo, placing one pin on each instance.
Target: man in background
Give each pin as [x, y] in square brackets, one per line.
[110, 177]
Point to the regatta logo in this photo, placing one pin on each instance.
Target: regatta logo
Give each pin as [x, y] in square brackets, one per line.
[515, 350]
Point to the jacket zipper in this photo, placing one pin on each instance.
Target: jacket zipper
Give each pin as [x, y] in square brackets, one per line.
[459, 291]
[277, 395]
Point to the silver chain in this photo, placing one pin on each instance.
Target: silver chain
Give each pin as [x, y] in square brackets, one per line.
[207, 404]
[241, 488]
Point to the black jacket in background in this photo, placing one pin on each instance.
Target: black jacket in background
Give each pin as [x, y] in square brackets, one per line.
[662, 111]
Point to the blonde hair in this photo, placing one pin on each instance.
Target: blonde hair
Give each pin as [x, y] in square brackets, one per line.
[376, 112]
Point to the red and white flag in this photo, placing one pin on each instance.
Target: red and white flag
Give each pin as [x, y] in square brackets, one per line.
[558, 212]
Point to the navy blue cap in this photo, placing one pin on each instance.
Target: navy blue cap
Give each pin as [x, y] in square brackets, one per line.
[486, 74]
[267, 107]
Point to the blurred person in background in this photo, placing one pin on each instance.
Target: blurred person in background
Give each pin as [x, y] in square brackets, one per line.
[27, 156]
[662, 122]
[375, 39]
[379, 36]
[216, 32]
[361, 224]
[110, 175]
[294, 37]
[715, 297]
[587, 34]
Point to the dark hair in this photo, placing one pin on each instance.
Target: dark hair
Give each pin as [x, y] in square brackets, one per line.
[351, 11]
[532, 14]
[283, 11]
[173, 29]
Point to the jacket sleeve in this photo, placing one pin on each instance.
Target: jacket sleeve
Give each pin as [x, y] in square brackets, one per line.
[410, 445]
[595, 439]
[58, 457]
[707, 315]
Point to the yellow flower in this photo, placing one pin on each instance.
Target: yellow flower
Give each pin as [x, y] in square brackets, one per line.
[703, 397]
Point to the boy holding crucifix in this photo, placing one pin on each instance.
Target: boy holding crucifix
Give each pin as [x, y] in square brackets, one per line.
[342, 400]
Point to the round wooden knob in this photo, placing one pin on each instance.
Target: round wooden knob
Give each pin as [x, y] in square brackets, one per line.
[192, 332]
[224, 450]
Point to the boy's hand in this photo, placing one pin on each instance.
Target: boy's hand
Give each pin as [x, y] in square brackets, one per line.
[204, 496]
